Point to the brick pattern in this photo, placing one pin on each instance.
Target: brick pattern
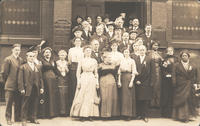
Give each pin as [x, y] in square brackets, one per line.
[62, 24]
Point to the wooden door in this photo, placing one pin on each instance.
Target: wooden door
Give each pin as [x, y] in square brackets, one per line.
[83, 9]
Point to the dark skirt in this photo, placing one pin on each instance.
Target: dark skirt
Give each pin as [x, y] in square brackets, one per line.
[166, 97]
[63, 85]
[156, 83]
[50, 107]
[128, 100]
[73, 81]
[109, 97]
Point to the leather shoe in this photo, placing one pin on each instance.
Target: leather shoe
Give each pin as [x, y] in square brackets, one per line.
[35, 121]
[9, 122]
[146, 120]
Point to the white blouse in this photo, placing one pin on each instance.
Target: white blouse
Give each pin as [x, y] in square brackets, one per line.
[75, 54]
[128, 65]
[116, 57]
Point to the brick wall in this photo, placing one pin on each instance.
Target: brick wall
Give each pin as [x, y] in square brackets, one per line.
[62, 24]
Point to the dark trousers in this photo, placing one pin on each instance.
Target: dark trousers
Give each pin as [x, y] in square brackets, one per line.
[30, 105]
[13, 97]
[142, 108]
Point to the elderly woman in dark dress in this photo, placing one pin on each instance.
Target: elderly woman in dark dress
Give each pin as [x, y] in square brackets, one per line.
[184, 80]
[63, 82]
[49, 71]
[167, 86]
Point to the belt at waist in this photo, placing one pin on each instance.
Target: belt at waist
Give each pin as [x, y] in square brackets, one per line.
[126, 72]
[73, 65]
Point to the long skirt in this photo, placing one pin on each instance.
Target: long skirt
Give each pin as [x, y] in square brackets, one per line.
[73, 82]
[63, 86]
[84, 104]
[166, 97]
[109, 97]
[156, 83]
[50, 107]
[128, 100]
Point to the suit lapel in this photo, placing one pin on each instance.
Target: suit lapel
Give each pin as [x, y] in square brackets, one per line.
[93, 54]
[28, 68]
[143, 64]
[183, 69]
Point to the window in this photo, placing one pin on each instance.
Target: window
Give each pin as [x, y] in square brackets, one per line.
[185, 18]
[20, 17]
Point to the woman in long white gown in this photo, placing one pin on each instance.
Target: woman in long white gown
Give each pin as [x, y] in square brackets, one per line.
[86, 101]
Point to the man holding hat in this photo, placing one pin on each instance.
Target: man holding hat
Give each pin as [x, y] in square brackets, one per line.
[30, 84]
[9, 71]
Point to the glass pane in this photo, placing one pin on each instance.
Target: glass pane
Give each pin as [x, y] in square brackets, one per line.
[21, 17]
[185, 18]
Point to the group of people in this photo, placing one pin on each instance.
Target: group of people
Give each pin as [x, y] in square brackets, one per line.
[110, 71]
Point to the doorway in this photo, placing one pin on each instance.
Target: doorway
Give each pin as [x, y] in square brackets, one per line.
[132, 10]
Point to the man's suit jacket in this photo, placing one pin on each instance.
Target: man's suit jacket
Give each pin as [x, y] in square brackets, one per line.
[103, 40]
[122, 46]
[144, 90]
[98, 58]
[27, 79]
[10, 70]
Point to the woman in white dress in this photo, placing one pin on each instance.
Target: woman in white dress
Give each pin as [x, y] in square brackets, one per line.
[86, 101]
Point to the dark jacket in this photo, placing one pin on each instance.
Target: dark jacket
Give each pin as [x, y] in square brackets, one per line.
[10, 70]
[144, 91]
[98, 58]
[27, 78]
[183, 83]
[103, 41]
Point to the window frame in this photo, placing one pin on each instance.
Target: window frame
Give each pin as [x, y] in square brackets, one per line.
[194, 44]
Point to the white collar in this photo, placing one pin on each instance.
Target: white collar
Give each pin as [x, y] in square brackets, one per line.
[15, 56]
[185, 63]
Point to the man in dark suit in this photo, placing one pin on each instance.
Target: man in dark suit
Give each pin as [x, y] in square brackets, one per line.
[95, 50]
[86, 32]
[99, 35]
[136, 27]
[147, 36]
[30, 84]
[9, 71]
[143, 87]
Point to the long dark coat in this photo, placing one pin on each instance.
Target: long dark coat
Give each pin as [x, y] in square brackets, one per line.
[144, 90]
[51, 94]
[184, 101]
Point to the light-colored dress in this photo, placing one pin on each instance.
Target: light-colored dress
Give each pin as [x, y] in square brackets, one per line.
[84, 101]
[127, 68]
